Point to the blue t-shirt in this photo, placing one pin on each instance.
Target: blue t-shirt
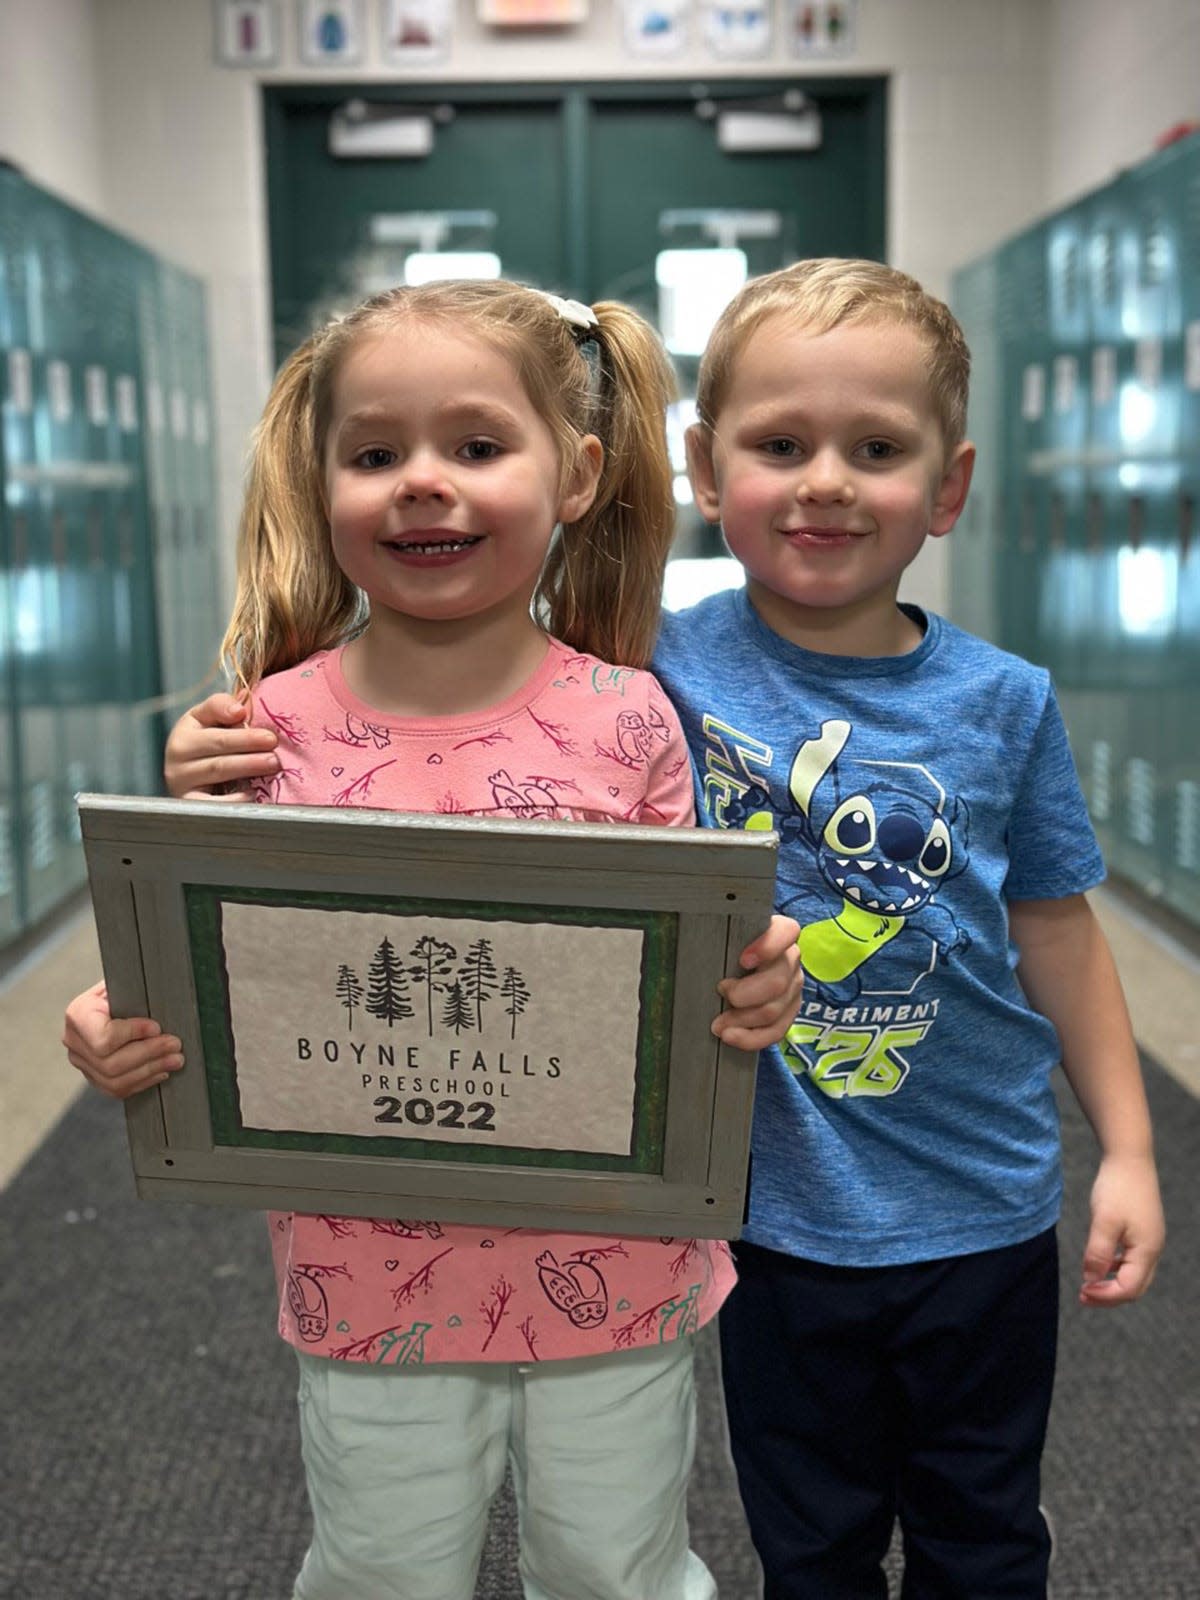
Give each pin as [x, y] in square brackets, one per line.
[909, 1115]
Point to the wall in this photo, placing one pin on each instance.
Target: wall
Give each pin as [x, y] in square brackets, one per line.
[1120, 75]
[49, 97]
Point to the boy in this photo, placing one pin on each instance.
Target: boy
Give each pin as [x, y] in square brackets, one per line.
[890, 1348]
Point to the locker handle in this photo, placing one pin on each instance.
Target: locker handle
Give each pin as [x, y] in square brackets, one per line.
[1095, 520]
[20, 542]
[1137, 520]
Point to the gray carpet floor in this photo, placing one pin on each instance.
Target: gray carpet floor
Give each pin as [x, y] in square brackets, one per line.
[148, 1445]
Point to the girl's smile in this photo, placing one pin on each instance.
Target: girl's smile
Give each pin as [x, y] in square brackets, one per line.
[433, 546]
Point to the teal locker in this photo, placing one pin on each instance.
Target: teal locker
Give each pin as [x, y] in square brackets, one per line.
[89, 342]
[974, 570]
[1065, 615]
[153, 600]
[1098, 500]
[206, 598]
[1147, 557]
[1169, 191]
[1022, 306]
[40, 551]
[16, 450]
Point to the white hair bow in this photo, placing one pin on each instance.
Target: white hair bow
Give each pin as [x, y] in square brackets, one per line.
[573, 311]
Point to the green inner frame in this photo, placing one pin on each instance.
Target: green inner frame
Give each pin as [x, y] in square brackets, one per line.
[656, 999]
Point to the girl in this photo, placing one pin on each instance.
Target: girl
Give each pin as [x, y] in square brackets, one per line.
[420, 453]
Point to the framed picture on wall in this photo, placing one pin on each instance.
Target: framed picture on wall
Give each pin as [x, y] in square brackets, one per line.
[444, 1016]
[416, 32]
[820, 29]
[738, 32]
[531, 13]
[330, 32]
[656, 27]
[246, 33]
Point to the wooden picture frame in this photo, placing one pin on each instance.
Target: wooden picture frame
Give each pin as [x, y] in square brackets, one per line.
[246, 33]
[563, 1075]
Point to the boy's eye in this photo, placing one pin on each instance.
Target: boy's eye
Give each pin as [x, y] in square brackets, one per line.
[879, 450]
[375, 458]
[480, 450]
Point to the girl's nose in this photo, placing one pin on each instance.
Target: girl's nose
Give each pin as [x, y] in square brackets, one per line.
[423, 477]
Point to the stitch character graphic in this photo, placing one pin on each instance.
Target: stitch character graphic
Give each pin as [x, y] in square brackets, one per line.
[309, 1306]
[575, 1288]
[884, 838]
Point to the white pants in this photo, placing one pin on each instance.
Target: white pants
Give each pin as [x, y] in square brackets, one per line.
[403, 1463]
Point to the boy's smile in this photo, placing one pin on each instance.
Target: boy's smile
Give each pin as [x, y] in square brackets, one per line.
[827, 470]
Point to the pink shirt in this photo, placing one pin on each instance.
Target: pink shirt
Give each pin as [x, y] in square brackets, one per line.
[583, 741]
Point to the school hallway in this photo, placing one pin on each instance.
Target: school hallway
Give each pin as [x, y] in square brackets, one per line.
[149, 1415]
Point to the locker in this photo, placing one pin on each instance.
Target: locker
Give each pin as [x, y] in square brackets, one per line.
[1097, 443]
[88, 342]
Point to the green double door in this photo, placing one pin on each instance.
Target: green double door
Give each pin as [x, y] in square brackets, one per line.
[580, 189]
[575, 188]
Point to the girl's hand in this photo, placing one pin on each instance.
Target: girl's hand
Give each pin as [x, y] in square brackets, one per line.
[212, 753]
[761, 1006]
[119, 1058]
[1127, 1232]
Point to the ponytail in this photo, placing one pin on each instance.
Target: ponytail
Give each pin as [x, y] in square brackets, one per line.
[292, 597]
[601, 587]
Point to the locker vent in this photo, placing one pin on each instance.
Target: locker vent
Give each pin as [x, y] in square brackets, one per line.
[6, 854]
[1156, 255]
[41, 816]
[1104, 265]
[1139, 791]
[1101, 780]
[77, 780]
[1187, 825]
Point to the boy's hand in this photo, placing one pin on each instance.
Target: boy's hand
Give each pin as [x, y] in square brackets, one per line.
[761, 1006]
[1127, 1233]
[212, 749]
[118, 1057]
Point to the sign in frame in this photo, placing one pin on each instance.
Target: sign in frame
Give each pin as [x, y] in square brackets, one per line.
[393, 1015]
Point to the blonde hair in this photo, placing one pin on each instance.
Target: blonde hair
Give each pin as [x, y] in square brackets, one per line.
[600, 586]
[822, 294]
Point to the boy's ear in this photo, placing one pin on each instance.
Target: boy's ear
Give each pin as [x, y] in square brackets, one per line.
[585, 480]
[952, 491]
[702, 471]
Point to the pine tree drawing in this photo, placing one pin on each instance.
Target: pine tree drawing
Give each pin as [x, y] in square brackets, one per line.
[512, 987]
[349, 991]
[434, 961]
[456, 1013]
[479, 977]
[388, 997]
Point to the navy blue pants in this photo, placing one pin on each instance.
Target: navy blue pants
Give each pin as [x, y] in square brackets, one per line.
[860, 1395]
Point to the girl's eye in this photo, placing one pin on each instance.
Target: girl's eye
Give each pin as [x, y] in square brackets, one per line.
[375, 458]
[879, 450]
[480, 450]
[784, 449]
